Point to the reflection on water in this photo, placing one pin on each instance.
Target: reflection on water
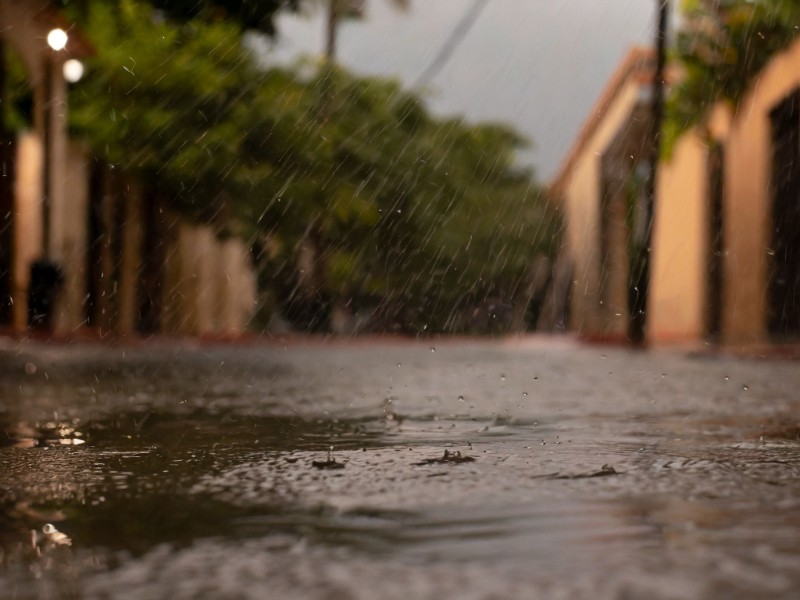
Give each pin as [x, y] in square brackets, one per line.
[480, 470]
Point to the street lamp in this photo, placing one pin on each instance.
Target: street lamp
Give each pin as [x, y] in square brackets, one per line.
[57, 39]
[73, 70]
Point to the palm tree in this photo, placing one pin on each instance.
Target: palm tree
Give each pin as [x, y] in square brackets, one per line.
[339, 9]
[312, 259]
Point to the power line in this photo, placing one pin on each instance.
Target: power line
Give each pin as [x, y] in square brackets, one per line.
[456, 37]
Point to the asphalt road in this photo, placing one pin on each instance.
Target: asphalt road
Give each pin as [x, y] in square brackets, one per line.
[529, 467]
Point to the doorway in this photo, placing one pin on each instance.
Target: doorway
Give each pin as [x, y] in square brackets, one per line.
[716, 239]
[783, 312]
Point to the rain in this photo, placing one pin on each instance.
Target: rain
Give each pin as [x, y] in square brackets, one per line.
[382, 298]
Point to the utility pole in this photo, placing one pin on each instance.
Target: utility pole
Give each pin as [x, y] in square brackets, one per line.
[331, 24]
[642, 251]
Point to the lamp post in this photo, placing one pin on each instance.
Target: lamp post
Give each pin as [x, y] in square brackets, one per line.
[57, 40]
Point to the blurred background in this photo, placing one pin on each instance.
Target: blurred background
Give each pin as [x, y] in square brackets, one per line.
[230, 192]
[216, 168]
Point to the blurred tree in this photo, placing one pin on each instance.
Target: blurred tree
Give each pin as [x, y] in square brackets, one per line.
[255, 15]
[417, 219]
[250, 14]
[345, 9]
[164, 102]
[721, 46]
[378, 207]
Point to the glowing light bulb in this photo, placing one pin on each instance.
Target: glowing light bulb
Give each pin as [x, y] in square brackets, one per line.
[73, 70]
[57, 39]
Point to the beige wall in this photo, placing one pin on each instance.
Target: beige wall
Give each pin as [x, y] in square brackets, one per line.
[749, 199]
[582, 198]
[209, 283]
[676, 304]
[70, 243]
[237, 292]
[679, 271]
[27, 222]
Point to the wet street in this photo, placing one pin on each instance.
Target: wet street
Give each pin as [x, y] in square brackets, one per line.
[524, 468]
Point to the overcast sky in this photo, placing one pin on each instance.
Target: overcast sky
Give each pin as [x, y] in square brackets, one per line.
[536, 64]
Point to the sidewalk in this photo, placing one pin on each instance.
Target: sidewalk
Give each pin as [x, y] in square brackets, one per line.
[789, 350]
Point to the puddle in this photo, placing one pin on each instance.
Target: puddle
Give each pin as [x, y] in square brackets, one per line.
[332, 473]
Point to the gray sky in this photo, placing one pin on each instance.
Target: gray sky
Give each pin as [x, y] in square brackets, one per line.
[536, 64]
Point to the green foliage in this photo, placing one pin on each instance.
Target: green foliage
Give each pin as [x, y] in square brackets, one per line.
[417, 219]
[245, 14]
[17, 111]
[430, 217]
[249, 14]
[722, 46]
[169, 102]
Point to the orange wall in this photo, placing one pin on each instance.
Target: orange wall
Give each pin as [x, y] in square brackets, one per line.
[749, 198]
[676, 305]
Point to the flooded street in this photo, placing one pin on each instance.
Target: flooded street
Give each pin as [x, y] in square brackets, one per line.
[398, 469]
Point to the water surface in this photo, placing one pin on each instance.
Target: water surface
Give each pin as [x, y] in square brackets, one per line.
[523, 468]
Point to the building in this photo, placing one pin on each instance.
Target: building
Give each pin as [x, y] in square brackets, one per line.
[599, 183]
[34, 192]
[748, 183]
[83, 246]
[726, 239]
